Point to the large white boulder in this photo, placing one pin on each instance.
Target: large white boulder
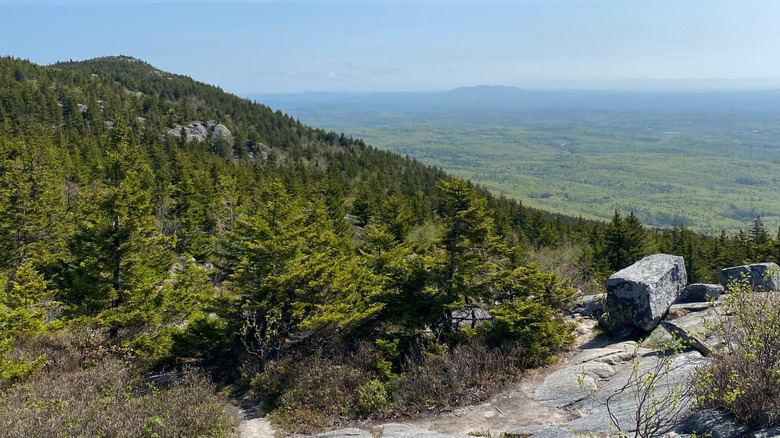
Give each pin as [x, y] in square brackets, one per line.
[641, 294]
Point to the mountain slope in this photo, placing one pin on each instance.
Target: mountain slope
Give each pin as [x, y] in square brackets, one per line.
[149, 221]
[178, 224]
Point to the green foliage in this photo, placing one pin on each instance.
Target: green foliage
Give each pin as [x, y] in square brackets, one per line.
[742, 379]
[533, 326]
[591, 163]
[119, 256]
[294, 274]
[21, 312]
[32, 205]
[619, 244]
[26, 290]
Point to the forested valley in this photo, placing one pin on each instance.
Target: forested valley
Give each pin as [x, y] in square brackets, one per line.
[162, 274]
[704, 159]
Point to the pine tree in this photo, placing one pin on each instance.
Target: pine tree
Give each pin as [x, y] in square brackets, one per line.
[21, 311]
[466, 241]
[32, 205]
[21, 299]
[119, 257]
[760, 248]
[284, 257]
[623, 242]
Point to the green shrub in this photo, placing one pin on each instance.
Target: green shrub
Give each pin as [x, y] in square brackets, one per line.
[372, 397]
[330, 390]
[743, 378]
[444, 376]
[20, 313]
[530, 325]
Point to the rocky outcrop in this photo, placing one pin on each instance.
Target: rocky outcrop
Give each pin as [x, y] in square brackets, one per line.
[399, 430]
[219, 132]
[761, 276]
[199, 131]
[623, 401]
[470, 316]
[714, 423]
[641, 294]
[572, 384]
[700, 293]
[344, 433]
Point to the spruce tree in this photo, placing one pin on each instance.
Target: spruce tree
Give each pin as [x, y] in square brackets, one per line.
[32, 205]
[119, 257]
[21, 312]
[624, 242]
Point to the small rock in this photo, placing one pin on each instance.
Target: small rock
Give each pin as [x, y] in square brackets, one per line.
[554, 432]
[688, 339]
[698, 292]
[590, 305]
[772, 432]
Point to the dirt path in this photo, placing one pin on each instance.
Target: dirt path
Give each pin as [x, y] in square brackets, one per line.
[255, 428]
[515, 406]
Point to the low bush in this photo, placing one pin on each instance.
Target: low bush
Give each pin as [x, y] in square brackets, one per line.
[743, 378]
[467, 373]
[333, 389]
[323, 390]
[532, 325]
[83, 393]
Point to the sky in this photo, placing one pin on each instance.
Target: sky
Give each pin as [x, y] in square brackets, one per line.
[274, 46]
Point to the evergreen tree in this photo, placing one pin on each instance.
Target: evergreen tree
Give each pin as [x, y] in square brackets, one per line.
[21, 312]
[294, 272]
[760, 249]
[32, 205]
[623, 242]
[21, 301]
[119, 257]
[466, 236]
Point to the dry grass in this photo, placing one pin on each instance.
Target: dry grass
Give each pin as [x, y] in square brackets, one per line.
[82, 392]
[328, 392]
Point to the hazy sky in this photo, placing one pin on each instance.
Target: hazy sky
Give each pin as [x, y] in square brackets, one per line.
[385, 45]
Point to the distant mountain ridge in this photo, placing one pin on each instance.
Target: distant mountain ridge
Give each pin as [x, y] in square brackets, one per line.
[500, 97]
